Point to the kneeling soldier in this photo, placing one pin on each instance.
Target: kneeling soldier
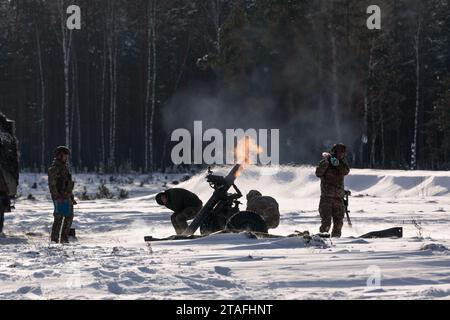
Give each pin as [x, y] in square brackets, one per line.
[184, 203]
[266, 207]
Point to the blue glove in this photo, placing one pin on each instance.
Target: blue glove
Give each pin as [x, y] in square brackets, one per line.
[334, 161]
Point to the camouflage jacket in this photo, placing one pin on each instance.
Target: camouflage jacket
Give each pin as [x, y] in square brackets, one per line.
[60, 181]
[268, 208]
[3, 185]
[180, 199]
[332, 178]
[9, 160]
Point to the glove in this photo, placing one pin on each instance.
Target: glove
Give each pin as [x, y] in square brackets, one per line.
[334, 161]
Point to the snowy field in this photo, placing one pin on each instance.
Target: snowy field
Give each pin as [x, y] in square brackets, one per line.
[110, 260]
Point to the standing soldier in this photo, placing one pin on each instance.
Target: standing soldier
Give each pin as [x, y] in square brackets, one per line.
[61, 188]
[9, 167]
[331, 171]
[184, 203]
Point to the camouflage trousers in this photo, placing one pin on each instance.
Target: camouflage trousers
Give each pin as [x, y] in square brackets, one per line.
[180, 219]
[332, 210]
[61, 228]
[62, 223]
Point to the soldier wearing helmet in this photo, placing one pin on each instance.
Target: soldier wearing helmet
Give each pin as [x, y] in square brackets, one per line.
[331, 171]
[61, 189]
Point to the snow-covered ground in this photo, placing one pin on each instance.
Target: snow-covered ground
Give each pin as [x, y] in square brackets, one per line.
[111, 260]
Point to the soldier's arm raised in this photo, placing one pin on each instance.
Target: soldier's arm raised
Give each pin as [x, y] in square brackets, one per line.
[322, 168]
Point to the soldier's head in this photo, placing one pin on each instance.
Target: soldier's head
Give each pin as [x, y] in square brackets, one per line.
[339, 151]
[161, 198]
[7, 125]
[62, 153]
[253, 194]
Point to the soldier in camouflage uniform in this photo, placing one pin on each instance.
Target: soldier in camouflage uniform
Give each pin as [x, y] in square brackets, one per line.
[184, 203]
[61, 188]
[9, 167]
[331, 171]
[266, 207]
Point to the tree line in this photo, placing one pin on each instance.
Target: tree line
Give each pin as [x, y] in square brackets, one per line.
[114, 90]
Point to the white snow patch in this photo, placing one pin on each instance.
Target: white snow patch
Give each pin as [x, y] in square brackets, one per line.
[111, 261]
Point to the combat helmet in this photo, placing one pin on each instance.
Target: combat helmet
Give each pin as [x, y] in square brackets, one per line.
[253, 194]
[339, 147]
[61, 150]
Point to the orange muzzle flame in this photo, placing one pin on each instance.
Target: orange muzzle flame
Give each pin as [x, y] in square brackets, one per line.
[246, 153]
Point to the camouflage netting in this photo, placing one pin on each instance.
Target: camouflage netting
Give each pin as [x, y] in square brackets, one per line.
[9, 157]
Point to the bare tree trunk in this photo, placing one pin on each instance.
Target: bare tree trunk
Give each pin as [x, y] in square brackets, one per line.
[80, 163]
[149, 83]
[213, 10]
[183, 65]
[416, 116]
[152, 115]
[318, 31]
[77, 126]
[73, 102]
[163, 155]
[75, 130]
[66, 46]
[218, 26]
[334, 75]
[364, 138]
[43, 98]
[112, 52]
[383, 146]
[373, 139]
[102, 163]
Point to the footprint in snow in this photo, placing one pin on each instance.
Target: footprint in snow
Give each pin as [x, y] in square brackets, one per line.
[104, 274]
[34, 290]
[134, 277]
[31, 254]
[358, 241]
[39, 275]
[146, 270]
[223, 271]
[379, 290]
[115, 288]
[435, 293]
